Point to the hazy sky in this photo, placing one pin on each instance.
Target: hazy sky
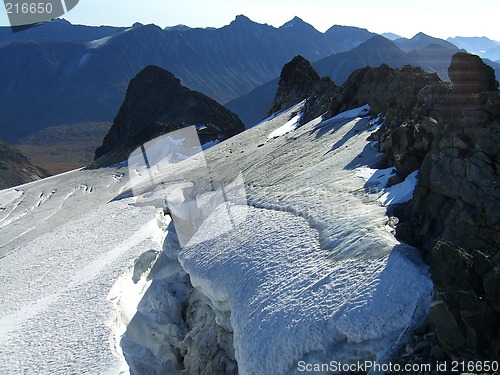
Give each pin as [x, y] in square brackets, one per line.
[404, 17]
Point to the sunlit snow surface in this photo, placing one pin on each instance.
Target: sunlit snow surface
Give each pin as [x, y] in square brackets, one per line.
[292, 256]
[62, 247]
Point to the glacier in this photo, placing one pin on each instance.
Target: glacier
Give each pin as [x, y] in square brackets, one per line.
[248, 258]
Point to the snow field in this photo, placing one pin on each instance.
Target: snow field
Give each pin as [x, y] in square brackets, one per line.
[55, 277]
[309, 271]
[285, 247]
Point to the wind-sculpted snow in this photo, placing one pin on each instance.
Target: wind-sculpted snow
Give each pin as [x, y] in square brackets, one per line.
[303, 269]
[63, 247]
[290, 300]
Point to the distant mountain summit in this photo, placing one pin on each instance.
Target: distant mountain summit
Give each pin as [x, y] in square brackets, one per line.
[347, 37]
[480, 46]
[156, 103]
[373, 52]
[421, 40]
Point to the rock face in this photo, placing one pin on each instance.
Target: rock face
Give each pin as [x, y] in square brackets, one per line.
[156, 103]
[299, 81]
[458, 197]
[465, 311]
[452, 135]
[400, 94]
[16, 169]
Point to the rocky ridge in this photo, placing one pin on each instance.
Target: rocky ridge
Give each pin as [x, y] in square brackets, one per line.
[451, 134]
[156, 103]
[453, 139]
[455, 213]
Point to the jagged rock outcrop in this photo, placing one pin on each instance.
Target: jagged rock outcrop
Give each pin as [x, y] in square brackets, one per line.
[469, 74]
[156, 103]
[458, 196]
[407, 97]
[400, 94]
[299, 81]
[16, 169]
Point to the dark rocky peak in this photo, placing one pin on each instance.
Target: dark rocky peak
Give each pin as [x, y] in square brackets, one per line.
[298, 72]
[299, 81]
[156, 103]
[470, 75]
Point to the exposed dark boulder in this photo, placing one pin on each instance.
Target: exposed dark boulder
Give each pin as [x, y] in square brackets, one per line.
[299, 81]
[470, 75]
[156, 103]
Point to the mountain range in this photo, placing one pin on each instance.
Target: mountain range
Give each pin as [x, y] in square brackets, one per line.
[85, 81]
[83, 71]
[435, 56]
[58, 77]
